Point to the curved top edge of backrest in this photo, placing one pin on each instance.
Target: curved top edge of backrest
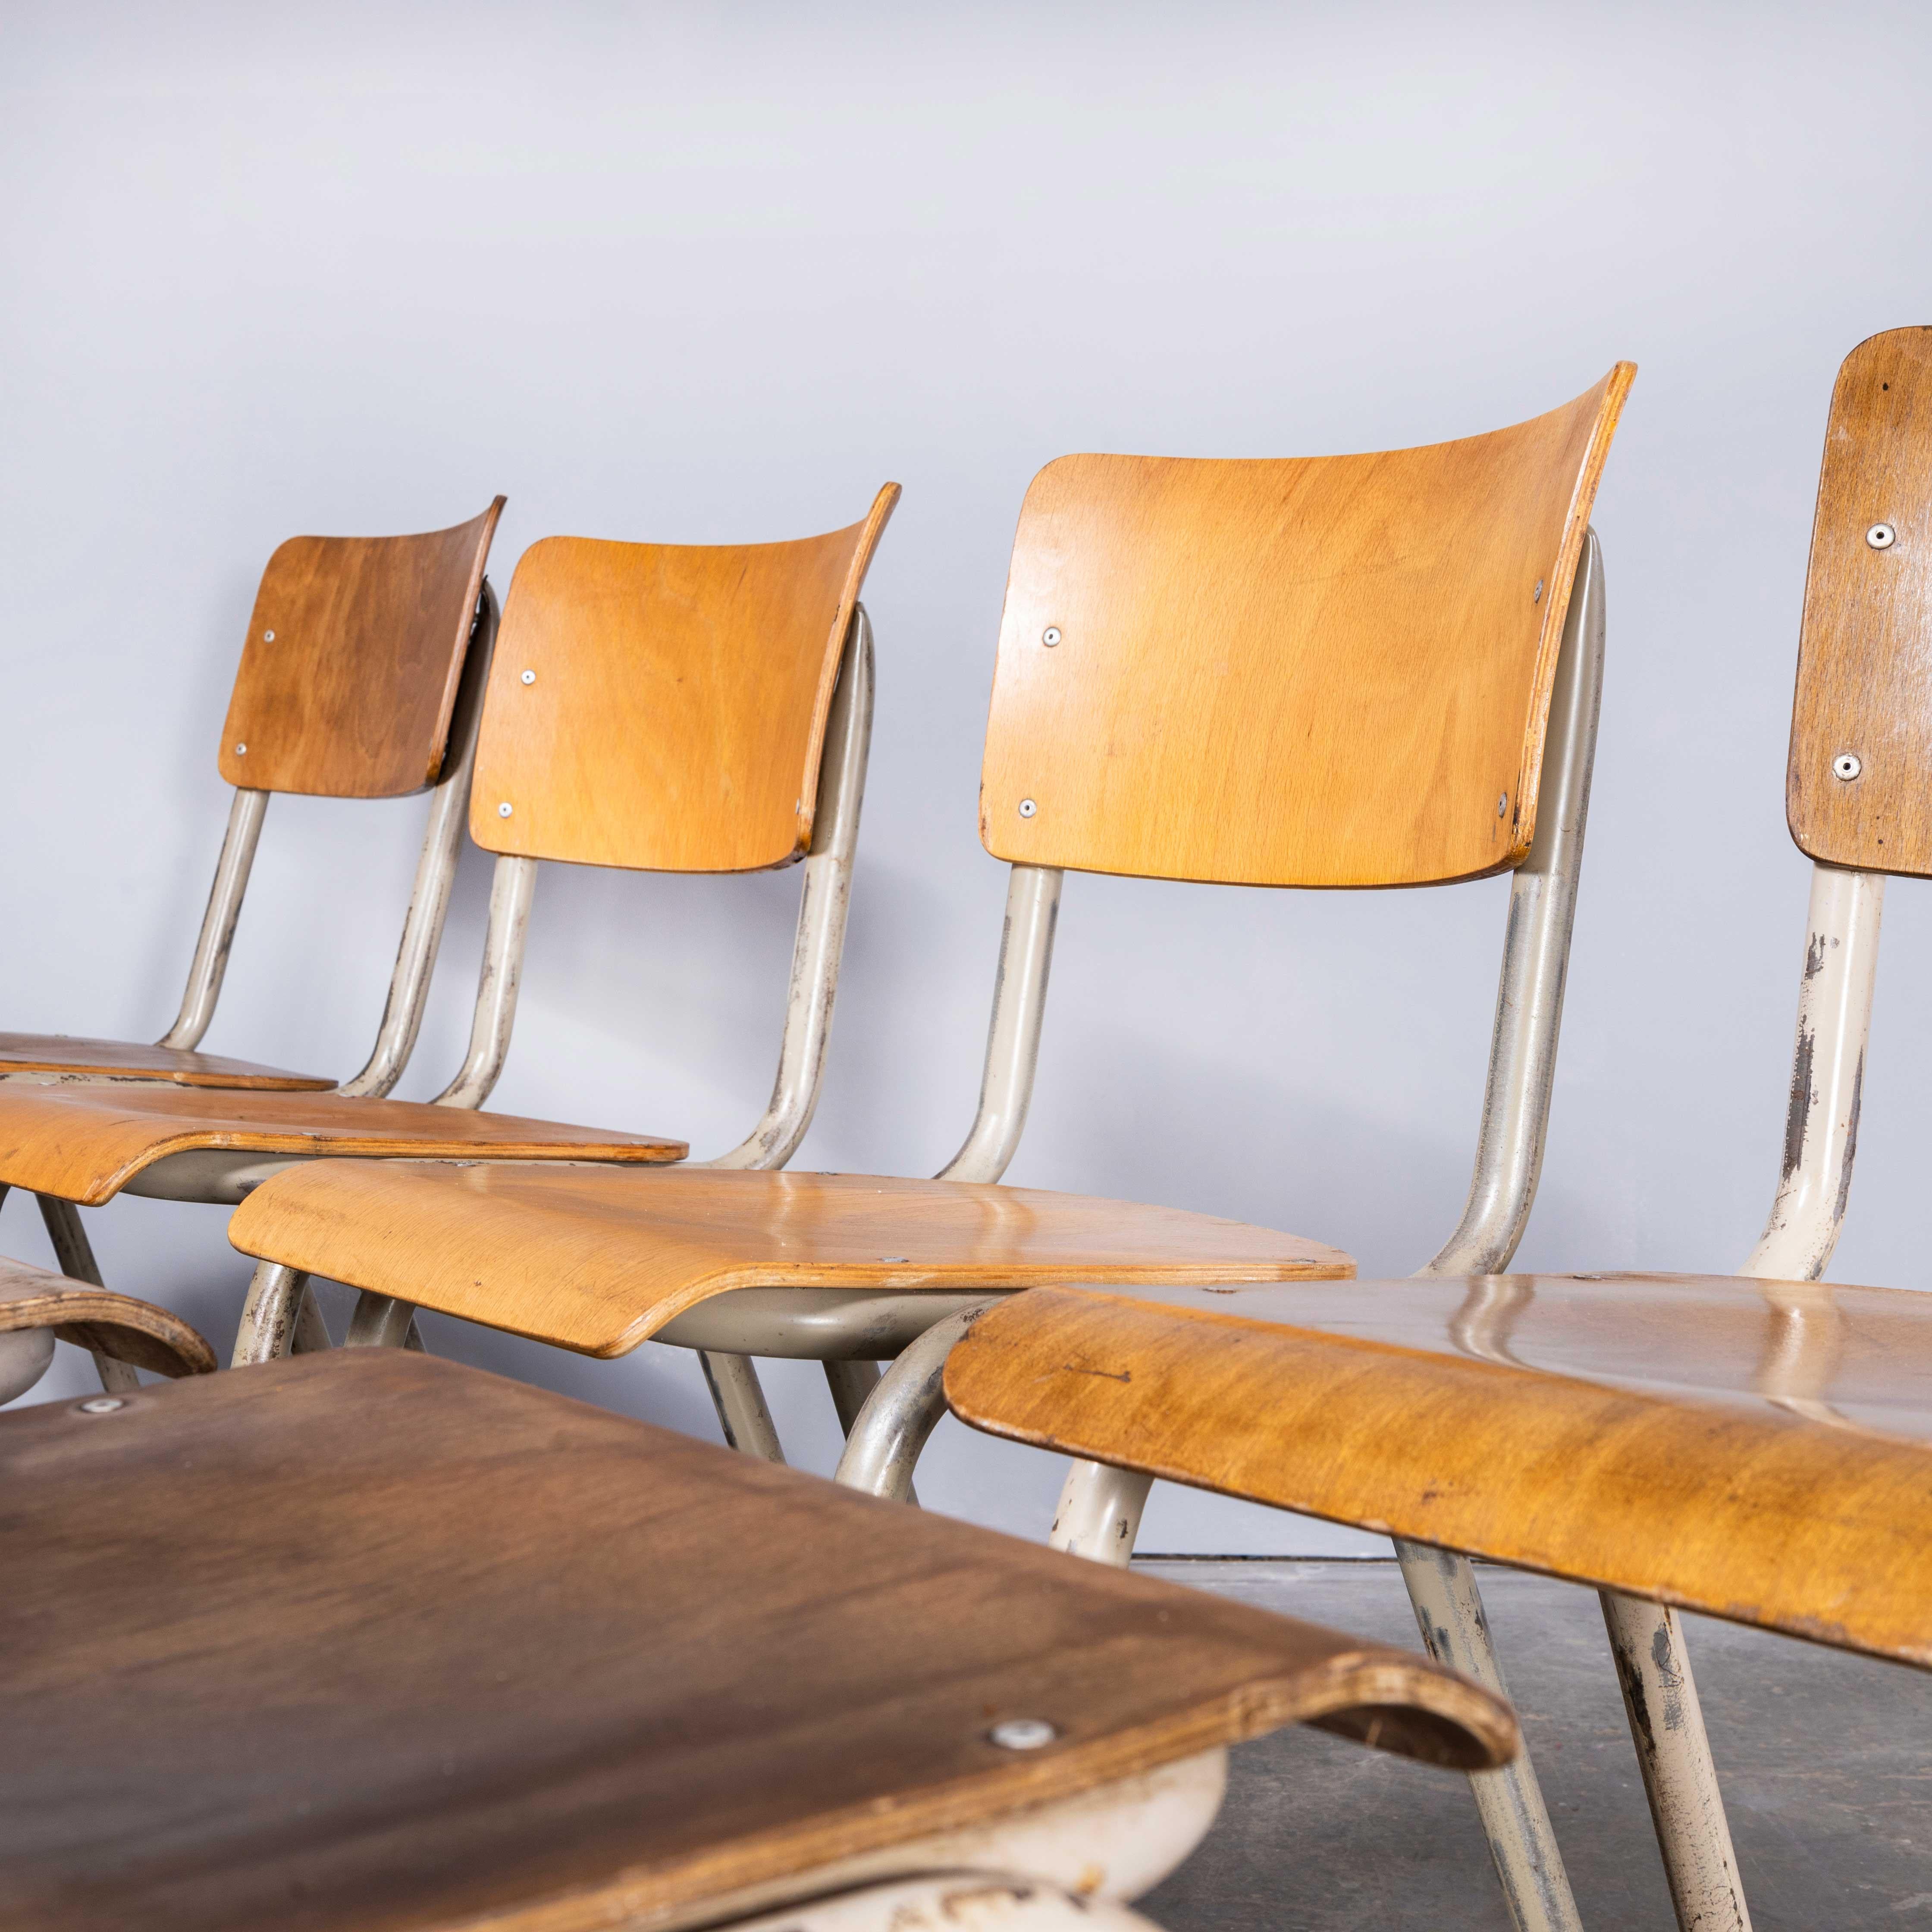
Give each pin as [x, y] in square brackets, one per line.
[1858, 779]
[662, 707]
[1316, 671]
[356, 647]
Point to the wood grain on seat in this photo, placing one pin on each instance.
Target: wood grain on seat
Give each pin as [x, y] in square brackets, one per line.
[1333, 671]
[1864, 656]
[128, 1060]
[131, 1331]
[661, 706]
[1759, 1451]
[600, 1261]
[366, 1641]
[84, 1142]
[349, 676]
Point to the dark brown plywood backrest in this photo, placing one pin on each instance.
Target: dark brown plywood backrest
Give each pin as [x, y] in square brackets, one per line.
[1332, 671]
[1858, 789]
[349, 676]
[661, 706]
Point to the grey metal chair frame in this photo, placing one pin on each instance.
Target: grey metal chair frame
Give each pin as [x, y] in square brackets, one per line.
[194, 1177]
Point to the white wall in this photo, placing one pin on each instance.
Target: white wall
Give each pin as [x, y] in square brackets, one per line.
[704, 273]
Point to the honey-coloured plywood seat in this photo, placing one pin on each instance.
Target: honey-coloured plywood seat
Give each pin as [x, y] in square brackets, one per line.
[372, 1642]
[38, 1308]
[588, 1260]
[85, 1144]
[349, 687]
[1760, 1450]
[658, 707]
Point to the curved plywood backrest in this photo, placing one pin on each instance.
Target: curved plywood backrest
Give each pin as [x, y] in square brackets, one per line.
[1858, 789]
[1333, 671]
[349, 677]
[661, 706]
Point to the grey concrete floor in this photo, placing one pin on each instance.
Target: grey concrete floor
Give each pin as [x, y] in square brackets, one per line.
[1824, 1759]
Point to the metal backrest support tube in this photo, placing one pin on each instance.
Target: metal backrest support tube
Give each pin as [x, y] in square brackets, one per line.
[823, 905]
[1536, 952]
[217, 923]
[1828, 1070]
[512, 887]
[436, 872]
[1012, 1039]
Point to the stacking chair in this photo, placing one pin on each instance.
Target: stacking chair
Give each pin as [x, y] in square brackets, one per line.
[1334, 672]
[357, 680]
[1757, 1448]
[373, 1642]
[656, 707]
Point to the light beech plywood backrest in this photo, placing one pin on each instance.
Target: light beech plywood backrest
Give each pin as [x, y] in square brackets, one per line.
[1330, 671]
[349, 678]
[662, 706]
[1858, 790]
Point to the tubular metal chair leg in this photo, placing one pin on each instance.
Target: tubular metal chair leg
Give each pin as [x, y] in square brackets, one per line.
[1442, 1587]
[311, 1333]
[1098, 1512]
[747, 1422]
[379, 1322]
[74, 1253]
[852, 1383]
[270, 1314]
[1666, 1723]
[884, 1440]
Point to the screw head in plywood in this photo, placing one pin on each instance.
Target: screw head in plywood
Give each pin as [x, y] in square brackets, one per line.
[504, 810]
[1881, 536]
[268, 636]
[1050, 636]
[1502, 805]
[529, 677]
[1536, 595]
[1847, 765]
[241, 750]
[101, 1405]
[1027, 807]
[1023, 1734]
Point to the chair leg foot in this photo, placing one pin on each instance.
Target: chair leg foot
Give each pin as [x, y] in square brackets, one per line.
[739, 1401]
[1099, 1513]
[1666, 1723]
[1449, 1608]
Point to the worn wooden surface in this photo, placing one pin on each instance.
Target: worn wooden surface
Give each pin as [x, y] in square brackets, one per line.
[678, 704]
[351, 697]
[1864, 657]
[1761, 1450]
[599, 1260]
[1324, 672]
[129, 1060]
[135, 1332]
[84, 1142]
[367, 1640]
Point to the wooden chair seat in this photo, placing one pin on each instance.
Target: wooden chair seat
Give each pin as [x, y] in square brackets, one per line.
[368, 1640]
[129, 1060]
[116, 1325]
[84, 1143]
[598, 1261]
[1760, 1450]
